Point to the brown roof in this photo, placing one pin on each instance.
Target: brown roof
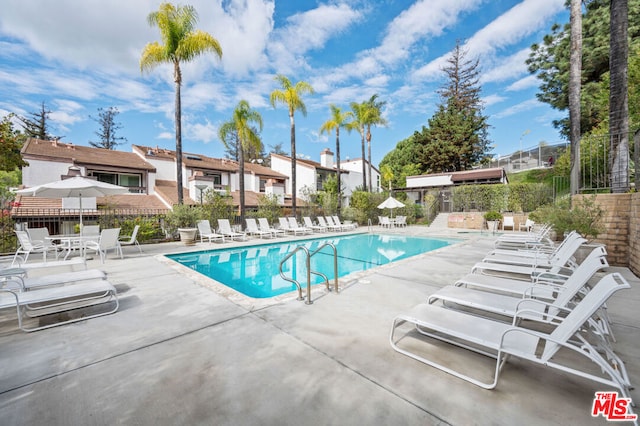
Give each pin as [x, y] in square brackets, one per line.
[168, 191]
[84, 155]
[493, 173]
[259, 170]
[191, 160]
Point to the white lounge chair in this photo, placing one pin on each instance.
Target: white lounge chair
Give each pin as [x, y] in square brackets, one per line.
[558, 296]
[224, 228]
[309, 224]
[284, 225]
[336, 221]
[252, 229]
[108, 241]
[384, 221]
[18, 279]
[550, 282]
[561, 255]
[27, 247]
[264, 226]
[131, 240]
[501, 340]
[519, 267]
[293, 224]
[51, 300]
[204, 229]
[528, 239]
[336, 225]
[330, 226]
[535, 250]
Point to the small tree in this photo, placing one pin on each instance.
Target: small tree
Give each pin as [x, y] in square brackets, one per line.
[10, 145]
[108, 129]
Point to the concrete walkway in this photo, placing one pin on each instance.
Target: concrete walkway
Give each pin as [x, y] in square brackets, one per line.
[179, 352]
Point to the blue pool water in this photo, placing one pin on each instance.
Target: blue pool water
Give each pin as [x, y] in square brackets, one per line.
[253, 270]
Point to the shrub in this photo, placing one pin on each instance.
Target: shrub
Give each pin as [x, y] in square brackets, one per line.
[585, 216]
[492, 215]
[183, 216]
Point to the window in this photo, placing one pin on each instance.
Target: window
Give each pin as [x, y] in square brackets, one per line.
[131, 181]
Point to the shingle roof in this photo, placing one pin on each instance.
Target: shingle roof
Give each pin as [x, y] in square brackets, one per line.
[84, 155]
[493, 173]
[194, 161]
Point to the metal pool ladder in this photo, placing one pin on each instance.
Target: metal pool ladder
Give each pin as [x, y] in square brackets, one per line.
[309, 271]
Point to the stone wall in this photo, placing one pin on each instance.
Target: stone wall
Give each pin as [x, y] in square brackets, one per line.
[634, 234]
[617, 208]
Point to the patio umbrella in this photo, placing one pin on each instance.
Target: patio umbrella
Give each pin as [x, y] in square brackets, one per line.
[390, 203]
[77, 186]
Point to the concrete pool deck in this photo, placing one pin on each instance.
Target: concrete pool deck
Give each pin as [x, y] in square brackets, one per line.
[178, 352]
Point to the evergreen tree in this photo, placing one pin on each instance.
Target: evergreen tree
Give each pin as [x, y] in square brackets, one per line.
[231, 148]
[108, 129]
[457, 136]
[38, 125]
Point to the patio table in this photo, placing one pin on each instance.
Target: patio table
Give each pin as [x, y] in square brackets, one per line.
[73, 242]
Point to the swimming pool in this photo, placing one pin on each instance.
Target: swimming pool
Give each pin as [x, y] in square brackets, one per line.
[254, 270]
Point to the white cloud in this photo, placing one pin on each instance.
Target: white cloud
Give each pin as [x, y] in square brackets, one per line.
[524, 83]
[509, 28]
[518, 108]
[507, 68]
[493, 99]
[202, 132]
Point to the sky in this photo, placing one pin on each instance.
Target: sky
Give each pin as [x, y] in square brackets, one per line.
[77, 56]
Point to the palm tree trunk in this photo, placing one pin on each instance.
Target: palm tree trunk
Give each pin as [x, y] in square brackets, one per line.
[618, 96]
[339, 205]
[178, 118]
[293, 164]
[575, 73]
[364, 166]
[369, 157]
[241, 168]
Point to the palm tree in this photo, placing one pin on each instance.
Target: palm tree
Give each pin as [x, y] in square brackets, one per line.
[618, 95]
[359, 112]
[373, 117]
[291, 96]
[575, 73]
[338, 119]
[181, 43]
[241, 129]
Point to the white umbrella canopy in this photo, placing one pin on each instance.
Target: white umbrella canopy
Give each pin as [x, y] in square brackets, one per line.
[77, 186]
[390, 203]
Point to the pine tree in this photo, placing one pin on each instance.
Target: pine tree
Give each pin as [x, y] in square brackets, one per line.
[108, 129]
[38, 125]
[457, 136]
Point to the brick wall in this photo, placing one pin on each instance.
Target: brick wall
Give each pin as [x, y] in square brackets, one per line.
[617, 227]
[634, 233]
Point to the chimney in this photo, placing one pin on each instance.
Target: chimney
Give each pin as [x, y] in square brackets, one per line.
[326, 158]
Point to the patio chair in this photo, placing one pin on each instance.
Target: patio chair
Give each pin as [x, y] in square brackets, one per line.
[253, 229]
[293, 224]
[401, 221]
[108, 241]
[91, 230]
[26, 247]
[508, 222]
[131, 240]
[547, 282]
[204, 229]
[330, 226]
[224, 228]
[499, 340]
[336, 220]
[530, 267]
[515, 241]
[264, 226]
[18, 279]
[41, 236]
[384, 221]
[309, 224]
[54, 300]
[526, 226]
[538, 258]
[532, 298]
[335, 225]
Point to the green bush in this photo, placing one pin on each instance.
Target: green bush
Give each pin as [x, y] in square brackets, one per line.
[492, 215]
[268, 207]
[183, 216]
[218, 206]
[585, 216]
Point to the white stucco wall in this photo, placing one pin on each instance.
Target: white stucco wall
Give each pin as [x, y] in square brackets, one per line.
[39, 172]
[422, 181]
